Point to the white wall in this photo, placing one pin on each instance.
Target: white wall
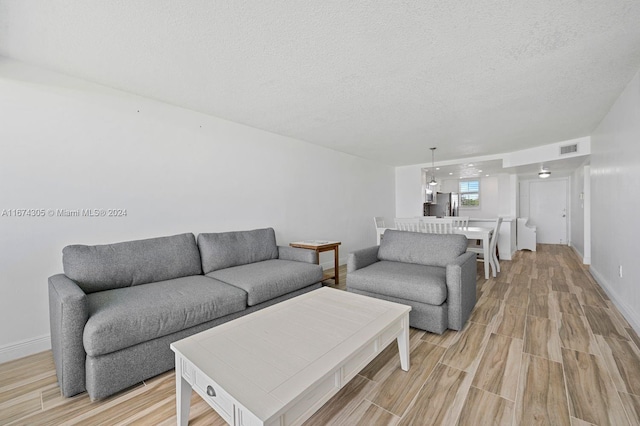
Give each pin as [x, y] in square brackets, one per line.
[67, 144]
[580, 213]
[409, 196]
[615, 191]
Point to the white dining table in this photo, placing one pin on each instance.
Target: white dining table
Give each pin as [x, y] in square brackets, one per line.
[472, 233]
[484, 234]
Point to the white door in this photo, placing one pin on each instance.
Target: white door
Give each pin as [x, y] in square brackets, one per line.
[548, 210]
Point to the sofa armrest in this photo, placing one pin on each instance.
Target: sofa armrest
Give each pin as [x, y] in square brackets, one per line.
[361, 258]
[297, 254]
[68, 314]
[461, 289]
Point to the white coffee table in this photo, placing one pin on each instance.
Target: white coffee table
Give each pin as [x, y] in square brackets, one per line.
[279, 365]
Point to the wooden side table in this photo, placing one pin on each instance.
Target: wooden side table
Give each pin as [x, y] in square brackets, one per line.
[319, 247]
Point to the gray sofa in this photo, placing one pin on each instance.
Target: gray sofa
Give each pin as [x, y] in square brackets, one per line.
[432, 273]
[117, 307]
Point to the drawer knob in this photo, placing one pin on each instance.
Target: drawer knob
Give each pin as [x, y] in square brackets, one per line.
[211, 391]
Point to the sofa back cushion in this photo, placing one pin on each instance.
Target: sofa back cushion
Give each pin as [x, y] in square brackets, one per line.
[421, 248]
[105, 267]
[226, 249]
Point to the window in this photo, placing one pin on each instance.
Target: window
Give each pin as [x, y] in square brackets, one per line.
[470, 193]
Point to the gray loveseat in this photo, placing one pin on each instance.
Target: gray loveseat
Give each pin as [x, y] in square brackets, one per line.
[432, 273]
[117, 307]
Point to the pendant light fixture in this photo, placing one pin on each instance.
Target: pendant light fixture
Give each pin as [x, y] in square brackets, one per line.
[433, 182]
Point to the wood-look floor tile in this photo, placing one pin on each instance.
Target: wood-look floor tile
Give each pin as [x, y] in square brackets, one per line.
[485, 310]
[10, 392]
[445, 339]
[541, 338]
[579, 279]
[441, 399]
[19, 408]
[539, 287]
[541, 393]
[615, 313]
[634, 336]
[623, 362]
[521, 279]
[578, 422]
[499, 367]
[389, 359]
[601, 293]
[568, 303]
[397, 391]
[575, 334]
[39, 365]
[559, 285]
[591, 297]
[119, 411]
[484, 408]
[592, 394]
[465, 352]
[510, 321]
[519, 297]
[340, 406]
[602, 323]
[542, 305]
[201, 414]
[498, 290]
[52, 396]
[367, 414]
[631, 404]
[379, 368]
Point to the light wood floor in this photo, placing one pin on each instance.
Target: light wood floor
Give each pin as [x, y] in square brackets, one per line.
[544, 345]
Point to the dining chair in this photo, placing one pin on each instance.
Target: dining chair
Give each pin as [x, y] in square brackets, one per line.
[436, 225]
[479, 249]
[380, 227]
[408, 224]
[379, 221]
[461, 222]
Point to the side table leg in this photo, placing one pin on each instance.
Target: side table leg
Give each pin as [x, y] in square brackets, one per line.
[403, 344]
[335, 265]
[183, 396]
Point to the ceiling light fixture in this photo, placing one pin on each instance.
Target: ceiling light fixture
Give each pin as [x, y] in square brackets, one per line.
[432, 182]
[544, 174]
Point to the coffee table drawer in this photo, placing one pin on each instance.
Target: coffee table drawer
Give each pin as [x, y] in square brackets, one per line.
[214, 396]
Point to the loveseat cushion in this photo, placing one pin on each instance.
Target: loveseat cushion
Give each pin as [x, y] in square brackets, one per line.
[227, 249]
[409, 281]
[269, 279]
[110, 266]
[123, 317]
[421, 248]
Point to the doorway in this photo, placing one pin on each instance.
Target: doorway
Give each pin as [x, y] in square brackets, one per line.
[548, 210]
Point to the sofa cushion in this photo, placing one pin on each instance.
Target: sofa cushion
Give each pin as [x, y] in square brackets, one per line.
[105, 267]
[123, 317]
[226, 249]
[421, 248]
[409, 281]
[269, 279]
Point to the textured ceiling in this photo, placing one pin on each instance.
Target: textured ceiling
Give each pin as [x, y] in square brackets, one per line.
[381, 80]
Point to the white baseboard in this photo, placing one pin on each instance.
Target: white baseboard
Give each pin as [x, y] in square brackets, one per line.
[585, 260]
[24, 348]
[627, 312]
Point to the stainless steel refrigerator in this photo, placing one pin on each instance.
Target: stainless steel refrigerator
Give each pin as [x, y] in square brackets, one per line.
[444, 204]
